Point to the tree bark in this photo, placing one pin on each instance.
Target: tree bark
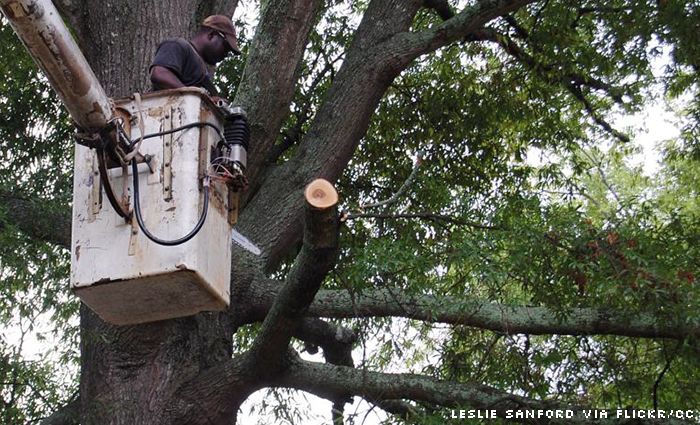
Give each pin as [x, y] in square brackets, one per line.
[182, 371]
[327, 381]
[312, 264]
[498, 317]
[468, 311]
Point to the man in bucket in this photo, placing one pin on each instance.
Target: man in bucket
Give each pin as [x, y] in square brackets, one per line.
[189, 63]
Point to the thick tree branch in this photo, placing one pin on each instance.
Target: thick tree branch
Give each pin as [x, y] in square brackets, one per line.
[496, 317]
[326, 380]
[336, 341]
[266, 91]
[269, 78]
[421, 216]
[470, 19]
[400, 408]
[215, 395]
[340, 122]
[34, 218]
[441, 7]
[312, 264]
[293, 136]
[382, 48]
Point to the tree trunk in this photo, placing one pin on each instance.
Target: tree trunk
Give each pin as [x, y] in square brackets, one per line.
[129, 373]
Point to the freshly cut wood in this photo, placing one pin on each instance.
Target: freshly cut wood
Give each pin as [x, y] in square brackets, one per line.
[321, 194]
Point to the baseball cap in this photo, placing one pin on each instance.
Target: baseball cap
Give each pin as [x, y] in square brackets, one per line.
[224, 25]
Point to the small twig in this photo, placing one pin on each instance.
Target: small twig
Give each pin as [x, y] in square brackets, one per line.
[293, 136]
[603, 177]
[580, 193]
[586, 10]
[424, 216]
[669, 360]
[575, 90]
[402, 189]
[487, 354]
[337, 413]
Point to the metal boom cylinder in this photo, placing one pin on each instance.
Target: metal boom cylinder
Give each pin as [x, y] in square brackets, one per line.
[41, 29]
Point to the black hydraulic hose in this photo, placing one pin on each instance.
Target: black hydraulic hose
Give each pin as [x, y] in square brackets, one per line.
[107, 186]
[139, 219]
[182, 128]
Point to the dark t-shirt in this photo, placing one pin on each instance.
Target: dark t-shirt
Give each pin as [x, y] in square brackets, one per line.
[179, 56]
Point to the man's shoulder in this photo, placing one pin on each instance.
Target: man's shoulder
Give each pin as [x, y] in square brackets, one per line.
[179, 42]
[175, 54]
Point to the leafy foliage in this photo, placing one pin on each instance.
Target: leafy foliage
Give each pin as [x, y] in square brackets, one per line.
[35, 156]
[480, 219]
[583, 230]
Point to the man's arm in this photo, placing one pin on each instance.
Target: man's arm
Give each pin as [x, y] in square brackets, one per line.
[163, 78]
